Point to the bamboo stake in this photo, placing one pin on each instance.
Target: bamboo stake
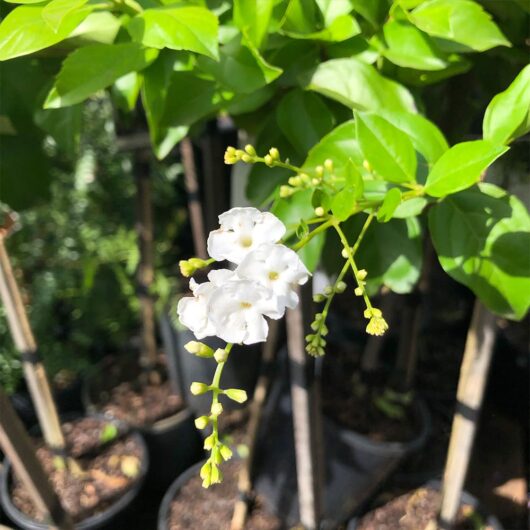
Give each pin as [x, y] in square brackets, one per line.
[256, 408]
[35, 375]
[194, 203]
[18, 447]
[301, 368]
[473, 376]
[144, 228]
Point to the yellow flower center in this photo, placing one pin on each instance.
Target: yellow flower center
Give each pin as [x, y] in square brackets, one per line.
[273, 275]
[245, 305]
[246, 241]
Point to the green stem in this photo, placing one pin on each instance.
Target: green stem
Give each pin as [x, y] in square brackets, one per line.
[347, 247]
[311, 235]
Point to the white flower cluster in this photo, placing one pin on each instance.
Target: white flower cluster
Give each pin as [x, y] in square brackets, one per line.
[233, 305]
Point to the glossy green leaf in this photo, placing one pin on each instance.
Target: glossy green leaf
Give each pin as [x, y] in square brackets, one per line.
[332, 9]
[391, 253]
[359, 86]
[304, 119]
[56, 11]
[462, 21]
[482, 237]
[388, 150]
[126, 90]
[508, 114]
[341, 146]
[253, 18]
[409, 47]
[410, 208]
[461, 167]
[240, 68]
[389, 206]
[100, 27]
[344, 202]
[426, 138]
[95, 67]
[178, 28]
[23, 31]
[300, 16]
[341, 29]
[374, 11]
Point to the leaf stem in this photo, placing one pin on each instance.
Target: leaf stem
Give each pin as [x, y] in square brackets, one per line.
[312, 234]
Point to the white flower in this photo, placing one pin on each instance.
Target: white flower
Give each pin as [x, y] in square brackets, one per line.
[243, 230]
[237, 310]
[277, 268]
[193, 311]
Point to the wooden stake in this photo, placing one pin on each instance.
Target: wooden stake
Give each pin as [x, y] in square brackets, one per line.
[473, 376]
[256, 408]
[194, 202]
[305, 412]
[35, 375]
[18, 447]
[144, 228]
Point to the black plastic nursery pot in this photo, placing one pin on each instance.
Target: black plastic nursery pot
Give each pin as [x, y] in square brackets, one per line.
[240, 372]
[173, 442]
[354, 466]
[107, 518]
[465, 499]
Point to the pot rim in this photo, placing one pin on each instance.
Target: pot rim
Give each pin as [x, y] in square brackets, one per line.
[94, 521]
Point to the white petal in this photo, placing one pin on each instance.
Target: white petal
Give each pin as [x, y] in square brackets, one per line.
[257, 328]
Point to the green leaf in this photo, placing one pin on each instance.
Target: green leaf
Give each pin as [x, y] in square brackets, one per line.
[56, 11]
[253, 18]
[178, 28]
[374, 11]
[110, 432]
[345, 201]
[341, 146]
[100, 27]
[391, 253]
[426, 138]
[240, 68]
[462, 21]
[388, 150]
[341, 29]
[410, 208]
[389, 206]
[409, 47]
[95, 67]
[332, 9]
[461, 167]
[508, 114]
[126, 90]
[23, 31]
[482, 237]
[300, 16]
[359, 86]
[157, 82]
[304, 119]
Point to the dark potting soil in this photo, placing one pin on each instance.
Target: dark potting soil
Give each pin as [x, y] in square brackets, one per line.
[96, 481]
[352, 403]
[414, 511]
[142, 404]
[212, 508]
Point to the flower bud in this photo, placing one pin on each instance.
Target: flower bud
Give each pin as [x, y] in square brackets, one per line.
[319, 211]
[345, 253]
[367, 166]
[328, 164]
[295, 181]
[198, 388]
[208, 442]
[328, 290]
[186, 269]
[268, 160]
[217, 409]
[377, 326]
[236, 394]
[319, 170]
[220, 355]
[246, 158]
[361, 274]
[226, 452]
[199, 349]
[205, 471]
[317, 298]
[286, 191]
[250, 150]
[315, 181]
[340, 287]
[215, 476]
[274, 153]
[358, 291]
[202, 422]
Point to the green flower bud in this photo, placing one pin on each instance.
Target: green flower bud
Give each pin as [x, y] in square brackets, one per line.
[328, 164]
[274, 153]
[246, 158]
[215, 476]
[202, 422]
[318, 298]
[209, 442]
[328, 290]
[286, 191]
[319, 211]
[236, 394]
[319, 170]
[198, 388]
[217, 409]
[220, 355]
[250, 150]
[226, 452]
[268, 160]
[199, 349]
[361, 274]
[340, 287]
[186, 269]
